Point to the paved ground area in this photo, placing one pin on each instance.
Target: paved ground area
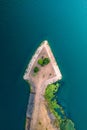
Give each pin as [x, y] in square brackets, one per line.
[40, 119]
[45, 73]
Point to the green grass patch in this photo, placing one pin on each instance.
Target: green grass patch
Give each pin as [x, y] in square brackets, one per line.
[52, 103]
[56, 109]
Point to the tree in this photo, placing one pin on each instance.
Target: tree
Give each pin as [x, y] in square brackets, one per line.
[40, 61]
[36, 69]
[46, 61]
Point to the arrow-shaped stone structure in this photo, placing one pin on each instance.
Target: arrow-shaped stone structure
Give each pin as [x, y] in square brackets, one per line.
[37, 115]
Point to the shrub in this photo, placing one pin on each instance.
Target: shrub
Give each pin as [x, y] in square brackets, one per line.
[40, 61]
[46, 61]
[36, 69]
[55, 108]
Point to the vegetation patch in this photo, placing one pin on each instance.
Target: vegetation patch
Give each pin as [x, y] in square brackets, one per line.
[67, 125]
[43, 61]
[36, 69]
[40, 61]
[61, 120]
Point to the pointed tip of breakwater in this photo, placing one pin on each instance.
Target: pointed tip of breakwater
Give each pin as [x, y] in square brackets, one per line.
[44, 44]
[45, 41]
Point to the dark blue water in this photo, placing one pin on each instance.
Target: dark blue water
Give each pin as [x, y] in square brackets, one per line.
[23, 25]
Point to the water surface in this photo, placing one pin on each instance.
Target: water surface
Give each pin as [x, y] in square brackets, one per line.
[24, 24]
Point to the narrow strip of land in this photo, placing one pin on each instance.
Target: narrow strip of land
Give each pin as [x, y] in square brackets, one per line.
[37, 115]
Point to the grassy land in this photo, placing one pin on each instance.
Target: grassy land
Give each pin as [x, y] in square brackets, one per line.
[56, 109]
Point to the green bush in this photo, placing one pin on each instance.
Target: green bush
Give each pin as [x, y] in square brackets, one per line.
[36, 69]
[50, 91]
[44, 61]
[40, 61]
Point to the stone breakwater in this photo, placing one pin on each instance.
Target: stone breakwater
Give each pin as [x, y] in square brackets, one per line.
[37, 96]
[55, 66]
[26, 76]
